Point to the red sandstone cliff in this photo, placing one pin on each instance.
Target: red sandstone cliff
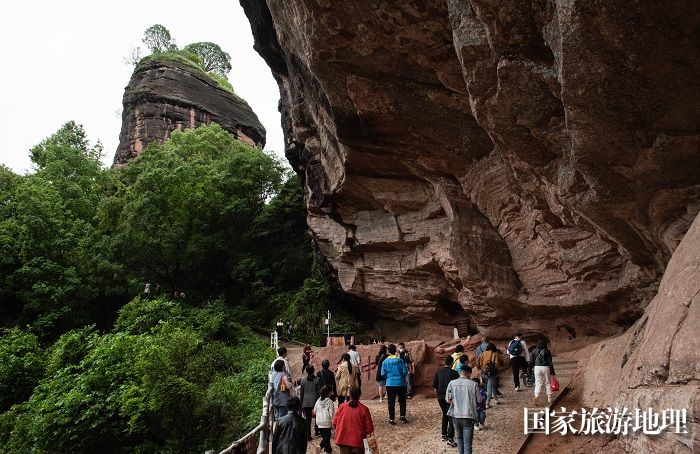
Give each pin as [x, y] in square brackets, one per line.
[530, 164]
[164, 95]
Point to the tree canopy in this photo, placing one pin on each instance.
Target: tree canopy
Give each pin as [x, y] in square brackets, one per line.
[213, 58]
[88, 365]
[157, 39]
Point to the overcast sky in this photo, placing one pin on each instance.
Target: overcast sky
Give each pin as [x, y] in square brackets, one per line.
[64, 60]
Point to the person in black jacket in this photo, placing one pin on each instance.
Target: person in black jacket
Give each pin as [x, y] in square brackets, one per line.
[541, 362]
[327, 378]
[309, 392]
[443, 377]
[289, 436]
[378, 360]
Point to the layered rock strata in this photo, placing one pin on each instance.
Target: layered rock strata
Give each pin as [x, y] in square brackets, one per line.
[524, 164]
[165, 95]
[654, 364]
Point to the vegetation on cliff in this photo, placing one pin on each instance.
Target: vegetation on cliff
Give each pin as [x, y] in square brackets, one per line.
[88, 365]
[207, 58]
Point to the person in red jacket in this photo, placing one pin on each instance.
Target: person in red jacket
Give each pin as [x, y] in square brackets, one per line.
[353, 423]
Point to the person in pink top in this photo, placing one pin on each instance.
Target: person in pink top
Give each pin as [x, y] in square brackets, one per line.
[353, 423]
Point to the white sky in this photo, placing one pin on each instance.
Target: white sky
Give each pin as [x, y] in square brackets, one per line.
[64, 60]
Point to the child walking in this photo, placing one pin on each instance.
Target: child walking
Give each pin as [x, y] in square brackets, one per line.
[324, 411]
[479, 424]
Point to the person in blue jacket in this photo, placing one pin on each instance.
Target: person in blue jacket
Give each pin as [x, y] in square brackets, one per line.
[394, 372]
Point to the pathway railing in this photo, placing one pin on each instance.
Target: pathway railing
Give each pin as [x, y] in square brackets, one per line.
[274, 340]
[257, 441]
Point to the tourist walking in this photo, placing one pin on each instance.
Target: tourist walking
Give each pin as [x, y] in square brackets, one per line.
[354, 356]
[289, 436]
[488, 364]
[324, 409]
[519, 358]
[482, 347]
[282, 356]
[290, 327]
[541, 361]
[442, 378]
[305, 357]
[378, 360]
[462, 395]
[405, 355]
[327, 377]
[281, 387]
[394, 373]
[355, 360]
[353, 423]
[459, 351]
[463, 360]
[309, 392]
[345, 377]
[480, 422]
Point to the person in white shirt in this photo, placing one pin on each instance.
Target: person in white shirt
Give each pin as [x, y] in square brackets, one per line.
[519, 358]
[354, 356]
[282, 355]
[355, 361]
[324, 410]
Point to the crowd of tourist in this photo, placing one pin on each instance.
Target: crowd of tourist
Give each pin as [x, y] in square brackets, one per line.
[308, 405]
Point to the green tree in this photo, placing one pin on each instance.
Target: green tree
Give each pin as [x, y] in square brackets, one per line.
[46, 218]
[212, 57]
[190, 381]
[21, 366]
[157, 39]
[186, 205]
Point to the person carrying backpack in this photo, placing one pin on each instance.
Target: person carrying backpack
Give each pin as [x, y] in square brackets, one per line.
[519, 357]
[488, 364]
[541, 361]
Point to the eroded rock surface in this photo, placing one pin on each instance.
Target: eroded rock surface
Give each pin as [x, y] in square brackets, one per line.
[655, 363]
[165, 95]
[530, 164]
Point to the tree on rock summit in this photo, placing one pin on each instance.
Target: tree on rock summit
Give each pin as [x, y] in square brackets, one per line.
[214, 59]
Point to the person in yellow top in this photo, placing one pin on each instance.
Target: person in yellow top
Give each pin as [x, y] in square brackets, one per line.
[489, 363]
[459, 351]
[346, 377]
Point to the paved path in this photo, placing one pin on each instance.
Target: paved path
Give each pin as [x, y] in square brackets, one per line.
[422, 434]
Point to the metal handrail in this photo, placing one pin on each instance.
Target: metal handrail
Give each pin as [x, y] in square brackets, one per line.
[245, 445]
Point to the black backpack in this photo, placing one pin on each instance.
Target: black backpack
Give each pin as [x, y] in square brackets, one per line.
[491, 370]
[515, 347]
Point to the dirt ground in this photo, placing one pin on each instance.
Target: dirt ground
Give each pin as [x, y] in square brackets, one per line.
[422, 434]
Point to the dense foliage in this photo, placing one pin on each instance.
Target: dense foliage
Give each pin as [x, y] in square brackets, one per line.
[88, 365]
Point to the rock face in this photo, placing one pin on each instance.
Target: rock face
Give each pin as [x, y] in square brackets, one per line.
[530, 164]
[655, 363]
[166, 95]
